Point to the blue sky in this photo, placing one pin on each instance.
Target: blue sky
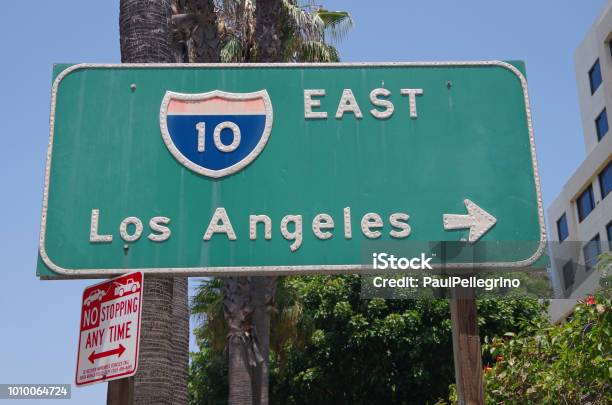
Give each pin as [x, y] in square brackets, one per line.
[40, 318]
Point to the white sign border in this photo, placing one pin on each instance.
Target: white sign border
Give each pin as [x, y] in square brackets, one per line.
[281, 270]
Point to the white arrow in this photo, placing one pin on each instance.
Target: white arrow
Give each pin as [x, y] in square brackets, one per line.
[478, 220]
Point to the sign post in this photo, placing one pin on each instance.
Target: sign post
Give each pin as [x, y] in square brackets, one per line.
[120, 392]
[467, 355]
[109, 330]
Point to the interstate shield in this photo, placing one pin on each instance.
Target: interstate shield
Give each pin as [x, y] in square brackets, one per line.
[216, 133]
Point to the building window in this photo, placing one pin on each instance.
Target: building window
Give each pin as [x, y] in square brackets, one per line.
[605, 180]
[609, 232]
[586, 203]
[562, 228]
[569, 274]
[601, 124]
[591, 250]
[595, 76]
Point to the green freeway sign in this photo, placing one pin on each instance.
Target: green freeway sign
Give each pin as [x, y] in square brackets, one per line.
[289, 168]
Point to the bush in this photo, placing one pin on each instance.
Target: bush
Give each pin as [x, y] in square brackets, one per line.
[570, 363]
[364, 351]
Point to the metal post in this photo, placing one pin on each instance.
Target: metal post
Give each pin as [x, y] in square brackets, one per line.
[466, 347]
[120, 392]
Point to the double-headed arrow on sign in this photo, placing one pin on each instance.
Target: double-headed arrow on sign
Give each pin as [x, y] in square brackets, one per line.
[118, 351]
[478, 220]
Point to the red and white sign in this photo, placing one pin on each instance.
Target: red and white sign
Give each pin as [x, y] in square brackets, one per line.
[110, 330]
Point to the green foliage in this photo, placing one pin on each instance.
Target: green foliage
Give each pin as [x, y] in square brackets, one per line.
[362, 351]
[306, 34]
[207, 308]
[336, 23]
[308, 30]
[207, 384]
[208, 368]
[570, 363]
[604, 265]
[331, 346]
[604, 261]
[231, 51]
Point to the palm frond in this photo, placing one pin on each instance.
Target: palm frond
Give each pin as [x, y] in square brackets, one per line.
[291, 48]
[336, 23]
[207, 307]
[207, 296]
[334, 54]
[236, 19]
[231, 51]
[302, 20]
[317, 51]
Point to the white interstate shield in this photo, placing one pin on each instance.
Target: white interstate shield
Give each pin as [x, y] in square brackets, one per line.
[109, 331]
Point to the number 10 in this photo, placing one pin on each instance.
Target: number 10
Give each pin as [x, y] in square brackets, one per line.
[201, 127]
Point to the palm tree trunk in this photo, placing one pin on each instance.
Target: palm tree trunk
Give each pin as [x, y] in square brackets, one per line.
[145, 32]
[164, 343]
[146, 36]
[179, 372]
[268, 25]
[238, 315]
[205, 36]
[196, 27]
[263, 290]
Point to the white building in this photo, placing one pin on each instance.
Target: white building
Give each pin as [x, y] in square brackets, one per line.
[581, 215]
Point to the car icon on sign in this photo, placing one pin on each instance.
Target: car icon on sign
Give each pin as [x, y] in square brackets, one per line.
[129, 286]
[96, 295]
